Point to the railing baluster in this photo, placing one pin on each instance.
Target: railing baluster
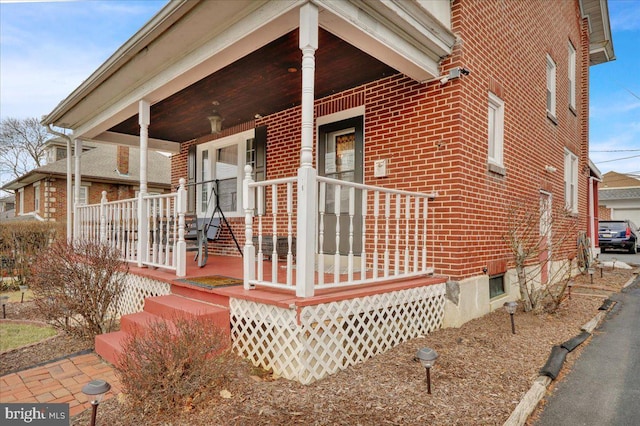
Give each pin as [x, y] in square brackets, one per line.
[407, 236]
[336, 257]
[289, 232]
[363, 250]
[274, 252]
[387, 218]
[261, 212]
[352, 212]
[376, 215]
[321, 210]
[397, 251]
[424, 233]
[416, 263]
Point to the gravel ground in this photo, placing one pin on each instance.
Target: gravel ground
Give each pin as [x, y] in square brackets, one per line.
[481, 374]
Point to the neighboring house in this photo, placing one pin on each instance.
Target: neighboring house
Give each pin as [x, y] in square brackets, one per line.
[7, 206]
[619, 197]
[387, 139]
[42, 192]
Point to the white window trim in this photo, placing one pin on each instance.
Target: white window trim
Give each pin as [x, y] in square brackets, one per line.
[84, 188]
[572, 76]
[497, 105]
[21, 203]
[238, 139]
[37, 200]
[571, 181]
[551, 85]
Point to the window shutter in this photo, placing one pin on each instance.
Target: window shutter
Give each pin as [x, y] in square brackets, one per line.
[260, 172]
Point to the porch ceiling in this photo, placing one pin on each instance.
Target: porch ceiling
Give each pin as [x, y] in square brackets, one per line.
[259, 83]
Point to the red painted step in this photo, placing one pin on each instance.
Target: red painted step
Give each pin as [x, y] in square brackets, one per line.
[109, 346]
[160, 308]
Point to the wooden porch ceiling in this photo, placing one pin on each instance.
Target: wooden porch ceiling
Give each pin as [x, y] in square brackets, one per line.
[260, 83]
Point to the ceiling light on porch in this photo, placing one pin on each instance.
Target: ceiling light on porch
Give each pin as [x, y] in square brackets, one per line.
[292, 70]
[216, 122]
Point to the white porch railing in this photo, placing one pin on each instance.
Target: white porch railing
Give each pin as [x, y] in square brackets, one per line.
[391, 226]
[118, 224]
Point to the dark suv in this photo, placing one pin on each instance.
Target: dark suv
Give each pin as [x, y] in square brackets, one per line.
[618, 234]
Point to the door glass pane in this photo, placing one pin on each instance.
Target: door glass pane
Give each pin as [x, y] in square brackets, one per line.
[227, 177]
[340, 154]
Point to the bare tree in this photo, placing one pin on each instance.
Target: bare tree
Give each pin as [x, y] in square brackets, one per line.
[22, 143]
[542, 242]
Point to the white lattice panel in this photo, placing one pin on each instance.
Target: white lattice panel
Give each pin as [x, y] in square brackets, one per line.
[267, 336]
[136, 289]
[332, 336]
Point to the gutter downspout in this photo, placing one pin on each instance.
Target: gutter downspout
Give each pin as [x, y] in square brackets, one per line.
[69, 182]
[592, 230]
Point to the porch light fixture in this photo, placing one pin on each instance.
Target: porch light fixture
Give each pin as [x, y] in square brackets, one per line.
[511, 309]
[23, 289]
[96, 389]
[427, 358]
[216, 123]
[4, 300]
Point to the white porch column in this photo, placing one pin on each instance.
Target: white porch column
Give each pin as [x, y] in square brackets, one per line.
[307, 187]
[69, 192]
[181, 246]
[144, 114]
[76, 191]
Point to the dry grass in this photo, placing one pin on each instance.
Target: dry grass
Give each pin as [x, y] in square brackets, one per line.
[13, 335]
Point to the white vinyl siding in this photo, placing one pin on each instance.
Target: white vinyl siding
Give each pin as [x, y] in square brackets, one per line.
[496, 129]
[571, 181]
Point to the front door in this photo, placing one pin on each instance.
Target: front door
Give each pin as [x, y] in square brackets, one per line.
[340, 146]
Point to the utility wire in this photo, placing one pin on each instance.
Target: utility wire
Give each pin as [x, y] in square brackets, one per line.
[617, 159]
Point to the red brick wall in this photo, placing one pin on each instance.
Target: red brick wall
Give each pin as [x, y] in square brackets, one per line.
[604, 213]
[435, 136]
[53, 196]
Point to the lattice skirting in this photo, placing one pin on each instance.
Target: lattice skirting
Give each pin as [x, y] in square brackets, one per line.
[136, 288]
[332, 336]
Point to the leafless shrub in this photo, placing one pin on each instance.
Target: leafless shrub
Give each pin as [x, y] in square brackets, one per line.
[542, 241]
[21, 245]
[172, 367]
[78, 285]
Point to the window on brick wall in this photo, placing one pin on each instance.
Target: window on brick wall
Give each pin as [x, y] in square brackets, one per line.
[496, 129]
[571, 181]
[222, 161]
[551, 87]
[496, 286]
[36, 197]
[572, 76]
[84, 194]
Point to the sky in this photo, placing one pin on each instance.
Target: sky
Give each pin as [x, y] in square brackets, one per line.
[47, 48]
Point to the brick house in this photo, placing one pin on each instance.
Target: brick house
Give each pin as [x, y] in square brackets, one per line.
[380, 142]
[42, 192]
[619, 197]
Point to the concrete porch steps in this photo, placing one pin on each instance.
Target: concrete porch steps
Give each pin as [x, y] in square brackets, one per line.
[160, 308]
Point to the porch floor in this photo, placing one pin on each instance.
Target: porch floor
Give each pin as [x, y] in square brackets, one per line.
[232, 267]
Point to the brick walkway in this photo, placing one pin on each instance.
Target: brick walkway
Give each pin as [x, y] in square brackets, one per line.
[60, 381]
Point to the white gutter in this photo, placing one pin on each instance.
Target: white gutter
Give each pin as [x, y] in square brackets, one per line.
[167, 16]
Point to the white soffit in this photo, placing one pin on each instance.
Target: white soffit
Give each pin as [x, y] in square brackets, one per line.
[400, 33]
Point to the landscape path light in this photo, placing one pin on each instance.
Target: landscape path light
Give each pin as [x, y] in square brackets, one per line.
[96, 389]
[427, 358]
[511, 308]
[4, 300]
[23, 289]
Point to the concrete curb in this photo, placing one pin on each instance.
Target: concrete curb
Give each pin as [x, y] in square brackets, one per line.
[538, 389]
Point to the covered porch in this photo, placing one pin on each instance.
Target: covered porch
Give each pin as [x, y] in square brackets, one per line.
[334, 269]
